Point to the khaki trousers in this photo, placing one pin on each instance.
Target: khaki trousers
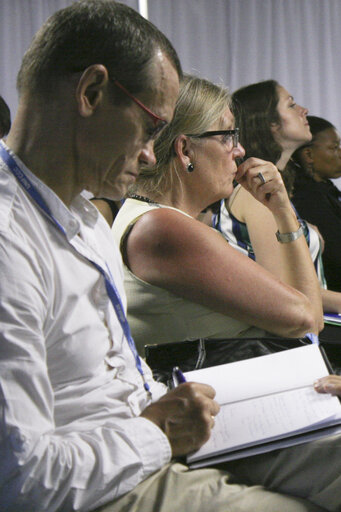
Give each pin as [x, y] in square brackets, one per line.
[297, 479]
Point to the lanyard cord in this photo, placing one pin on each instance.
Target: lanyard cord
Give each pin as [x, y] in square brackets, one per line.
[108, 279]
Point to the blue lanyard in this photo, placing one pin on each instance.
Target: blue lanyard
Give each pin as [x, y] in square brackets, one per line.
[108, 279]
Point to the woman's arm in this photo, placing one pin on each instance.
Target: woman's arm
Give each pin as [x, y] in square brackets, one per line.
[264, 215]
[178, 253]
[331, 301]
[277, 258]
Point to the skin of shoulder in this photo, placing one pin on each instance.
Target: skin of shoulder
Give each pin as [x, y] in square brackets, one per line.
[162, 242]
[186, 257]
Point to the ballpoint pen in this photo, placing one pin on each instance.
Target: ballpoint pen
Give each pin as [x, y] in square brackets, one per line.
[177, 376]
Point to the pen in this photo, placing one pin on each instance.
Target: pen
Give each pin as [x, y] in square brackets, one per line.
[312, 337]
[177, 376]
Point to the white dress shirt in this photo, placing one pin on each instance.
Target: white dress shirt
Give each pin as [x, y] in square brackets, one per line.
[70, 395]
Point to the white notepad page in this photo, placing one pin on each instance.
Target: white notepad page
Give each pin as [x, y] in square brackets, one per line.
[265, 398]
[273, 373]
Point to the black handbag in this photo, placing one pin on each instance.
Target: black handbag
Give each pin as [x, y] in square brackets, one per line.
[204, 352]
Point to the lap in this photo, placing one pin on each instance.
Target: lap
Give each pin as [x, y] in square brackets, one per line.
[311, 470]
[176, 488]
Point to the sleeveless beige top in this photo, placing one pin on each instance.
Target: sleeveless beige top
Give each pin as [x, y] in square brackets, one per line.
[158, 316]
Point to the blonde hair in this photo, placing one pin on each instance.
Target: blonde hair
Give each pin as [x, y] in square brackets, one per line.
[200, 104]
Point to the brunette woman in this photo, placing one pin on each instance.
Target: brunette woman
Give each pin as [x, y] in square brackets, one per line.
[272, 126]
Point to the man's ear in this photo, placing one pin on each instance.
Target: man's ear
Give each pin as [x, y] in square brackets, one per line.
[90, 89]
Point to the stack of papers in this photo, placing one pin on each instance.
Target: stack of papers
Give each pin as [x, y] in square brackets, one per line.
[332, 318]
[267, 402]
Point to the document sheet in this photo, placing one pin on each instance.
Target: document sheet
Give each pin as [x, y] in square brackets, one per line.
[265, 399]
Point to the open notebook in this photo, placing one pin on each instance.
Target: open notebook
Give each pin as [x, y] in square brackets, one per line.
[266, 403]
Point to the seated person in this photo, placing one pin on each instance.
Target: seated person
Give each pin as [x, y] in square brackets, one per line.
[182, 280]
[5, 118]
[330, 384]
[242, 220]
[316, 197]
[83, 424]
[107, 207]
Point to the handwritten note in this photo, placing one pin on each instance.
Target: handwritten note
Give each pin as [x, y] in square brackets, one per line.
[248, 422]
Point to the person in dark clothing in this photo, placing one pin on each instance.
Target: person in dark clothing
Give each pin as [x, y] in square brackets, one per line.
[316, 197]
[5, 118]
[108, 207]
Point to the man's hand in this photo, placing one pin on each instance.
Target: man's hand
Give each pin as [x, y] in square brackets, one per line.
[186, 416]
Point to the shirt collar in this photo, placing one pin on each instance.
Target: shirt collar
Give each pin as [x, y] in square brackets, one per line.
[67, 218]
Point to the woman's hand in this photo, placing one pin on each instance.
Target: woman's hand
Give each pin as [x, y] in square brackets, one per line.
[330, 384]
[264, 181]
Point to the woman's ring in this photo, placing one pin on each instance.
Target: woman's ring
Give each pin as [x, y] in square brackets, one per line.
[261, 177]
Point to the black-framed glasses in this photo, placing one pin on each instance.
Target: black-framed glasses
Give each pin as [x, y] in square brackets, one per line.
[158, 121]
[230, 137]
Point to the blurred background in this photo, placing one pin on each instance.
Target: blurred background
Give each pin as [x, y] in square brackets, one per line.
[234, 42]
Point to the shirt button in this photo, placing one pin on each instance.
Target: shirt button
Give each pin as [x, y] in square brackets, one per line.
[73, 224]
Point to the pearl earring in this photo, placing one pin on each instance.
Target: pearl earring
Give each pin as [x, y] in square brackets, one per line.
[190, 167]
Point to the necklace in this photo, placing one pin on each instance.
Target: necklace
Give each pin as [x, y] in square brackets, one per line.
[142, 198]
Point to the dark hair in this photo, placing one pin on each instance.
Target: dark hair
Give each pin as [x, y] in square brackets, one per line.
[5, 118]
[255, 108]
[317, 125]
[93, 32]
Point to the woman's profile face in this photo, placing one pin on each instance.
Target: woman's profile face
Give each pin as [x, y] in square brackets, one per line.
[293, 130]
[215, 160]
[326, 154]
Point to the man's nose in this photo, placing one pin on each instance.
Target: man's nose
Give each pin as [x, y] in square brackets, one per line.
[147, 155]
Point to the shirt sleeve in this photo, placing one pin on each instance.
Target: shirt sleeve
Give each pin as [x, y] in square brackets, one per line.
[45, 466]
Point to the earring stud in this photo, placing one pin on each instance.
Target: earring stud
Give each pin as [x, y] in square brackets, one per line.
[190, 167]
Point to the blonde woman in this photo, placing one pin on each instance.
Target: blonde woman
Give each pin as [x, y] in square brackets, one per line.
[182, 280]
